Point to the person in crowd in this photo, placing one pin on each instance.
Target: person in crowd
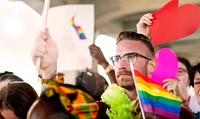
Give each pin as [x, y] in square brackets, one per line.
[185, 62]
[194, 102]
[130, 46]
[92, 83]
[180, 86]
[90, 80]
[63, 101]
[16, 97]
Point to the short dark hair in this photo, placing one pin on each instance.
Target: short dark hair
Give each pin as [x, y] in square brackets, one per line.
[17, 96]
[6, 72]
[188, 67]
[195, 68]
[9, 76]
[131, 35]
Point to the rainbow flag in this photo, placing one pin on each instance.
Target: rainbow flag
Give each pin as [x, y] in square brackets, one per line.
[155, 99]
[78, 29]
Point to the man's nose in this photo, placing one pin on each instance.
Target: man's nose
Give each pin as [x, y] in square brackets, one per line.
[122, 63]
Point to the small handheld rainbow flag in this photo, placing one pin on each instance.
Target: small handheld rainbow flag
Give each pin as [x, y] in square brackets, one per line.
[78, 29]
[155, 99]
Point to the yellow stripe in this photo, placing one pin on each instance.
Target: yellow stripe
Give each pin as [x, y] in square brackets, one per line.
[149, 85]
[156, 92]
[154, 89]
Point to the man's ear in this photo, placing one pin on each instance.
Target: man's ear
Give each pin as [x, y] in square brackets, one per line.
[152, 65]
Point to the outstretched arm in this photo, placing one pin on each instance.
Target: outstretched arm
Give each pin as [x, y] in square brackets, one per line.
[46, 49]
[96, 52]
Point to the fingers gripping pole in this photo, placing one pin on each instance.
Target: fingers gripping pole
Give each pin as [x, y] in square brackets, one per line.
[43, 27]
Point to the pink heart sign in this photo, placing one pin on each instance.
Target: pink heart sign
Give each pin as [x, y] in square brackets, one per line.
[172, 22]
[167, 66]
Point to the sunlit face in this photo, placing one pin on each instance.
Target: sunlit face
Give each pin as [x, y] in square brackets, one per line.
[9, 114]
[122, 69]
[183, 75]
[197, 86]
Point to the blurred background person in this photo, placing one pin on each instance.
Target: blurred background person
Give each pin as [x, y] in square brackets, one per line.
[194, 102]
[16, 97]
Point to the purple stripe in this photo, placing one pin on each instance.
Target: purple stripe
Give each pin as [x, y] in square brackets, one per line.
[161, 112]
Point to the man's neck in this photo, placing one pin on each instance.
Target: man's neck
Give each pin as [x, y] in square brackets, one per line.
[132, 95]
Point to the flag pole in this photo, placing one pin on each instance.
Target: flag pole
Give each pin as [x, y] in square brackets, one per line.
[136, 88]
[43, 27]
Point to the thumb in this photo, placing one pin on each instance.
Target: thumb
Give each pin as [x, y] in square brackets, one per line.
[48, 34]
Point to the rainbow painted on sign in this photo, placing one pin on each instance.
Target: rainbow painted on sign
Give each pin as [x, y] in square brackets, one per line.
[78, 29]
[157, 100]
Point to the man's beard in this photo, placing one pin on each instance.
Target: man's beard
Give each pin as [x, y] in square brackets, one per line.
[129, 87]
[124, 85]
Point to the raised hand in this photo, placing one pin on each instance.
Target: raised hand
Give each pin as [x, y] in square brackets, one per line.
[143, 26]
[96, 53]
[46, 49]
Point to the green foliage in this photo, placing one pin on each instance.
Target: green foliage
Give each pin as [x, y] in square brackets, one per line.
[120, 105]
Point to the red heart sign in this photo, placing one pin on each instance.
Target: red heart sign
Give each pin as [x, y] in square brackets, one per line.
[172, 22]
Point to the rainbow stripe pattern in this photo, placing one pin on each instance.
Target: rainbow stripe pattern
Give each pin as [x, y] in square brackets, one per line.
[78, 29]
[157, 100]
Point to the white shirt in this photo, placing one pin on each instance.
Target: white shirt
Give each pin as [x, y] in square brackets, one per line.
[194, 105]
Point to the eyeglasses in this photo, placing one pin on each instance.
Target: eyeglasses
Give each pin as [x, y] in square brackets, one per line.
[129, 57]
